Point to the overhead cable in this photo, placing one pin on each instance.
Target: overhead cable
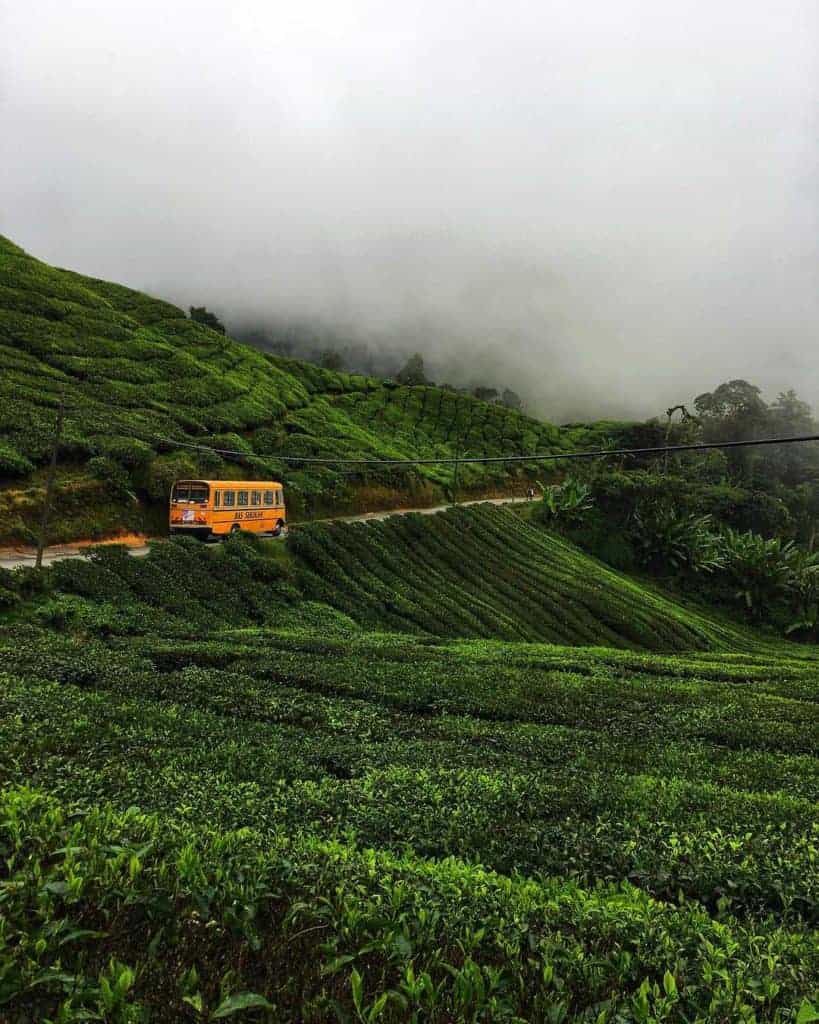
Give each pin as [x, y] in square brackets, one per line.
[534, 457]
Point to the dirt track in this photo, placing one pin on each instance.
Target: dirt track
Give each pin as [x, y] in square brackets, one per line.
[13, 558]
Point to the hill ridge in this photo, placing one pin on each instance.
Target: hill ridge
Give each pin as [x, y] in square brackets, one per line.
[131, 367]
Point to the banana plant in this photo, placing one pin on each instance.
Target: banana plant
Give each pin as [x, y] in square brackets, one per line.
[761, 570]
[568, 502]
[665, 537]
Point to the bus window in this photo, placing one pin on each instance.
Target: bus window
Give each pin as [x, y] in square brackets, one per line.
[197, 493]
[230, 499]
[217, 499]
[269, 497]
[242, 498]
[255, 497]
[279, 497]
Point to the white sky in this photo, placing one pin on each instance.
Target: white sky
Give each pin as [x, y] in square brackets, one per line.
[606, 205]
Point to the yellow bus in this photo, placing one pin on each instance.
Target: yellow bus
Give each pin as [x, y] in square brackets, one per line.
[215, 508]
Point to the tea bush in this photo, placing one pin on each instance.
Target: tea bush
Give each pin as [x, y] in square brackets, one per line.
[401, 825]
[396, 938]
[483, 571]
[430, 769]
[695, 778]
[132, 369]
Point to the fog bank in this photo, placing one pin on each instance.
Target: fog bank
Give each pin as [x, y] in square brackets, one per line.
[607, 206]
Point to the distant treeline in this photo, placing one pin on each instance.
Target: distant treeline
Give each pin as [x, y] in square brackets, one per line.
[332, 351]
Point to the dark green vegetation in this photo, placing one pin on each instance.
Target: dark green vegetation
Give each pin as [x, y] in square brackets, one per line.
[433, 769]
[267, 781]
[483, 571]
[737, 527]
[132, 369]
[698, 537]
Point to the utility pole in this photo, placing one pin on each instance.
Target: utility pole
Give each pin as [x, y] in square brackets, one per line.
[49, 488]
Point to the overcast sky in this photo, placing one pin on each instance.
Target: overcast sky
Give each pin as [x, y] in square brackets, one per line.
[607, 205]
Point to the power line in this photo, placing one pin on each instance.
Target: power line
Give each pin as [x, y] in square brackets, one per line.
[543, 457]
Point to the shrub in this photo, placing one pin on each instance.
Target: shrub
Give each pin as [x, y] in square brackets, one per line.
[567, 503]
[112, 476]
[91, 578]
[126, 451]
[761, 571]
[164, 469]
[665, 537]
[30, 582]
[12, 463]
[619, 493]
[8, 589]
[805, 594]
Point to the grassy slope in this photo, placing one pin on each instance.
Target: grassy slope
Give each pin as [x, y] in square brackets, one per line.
[636, 815]
[132, 368]
[349, 764]
[477, 572]
[485, 571]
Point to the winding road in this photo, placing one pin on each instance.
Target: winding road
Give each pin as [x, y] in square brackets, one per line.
[15, 558]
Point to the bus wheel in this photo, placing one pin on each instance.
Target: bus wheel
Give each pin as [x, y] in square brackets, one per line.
[278, 529]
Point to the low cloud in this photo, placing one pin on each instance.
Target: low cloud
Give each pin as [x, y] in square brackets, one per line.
[607, 207]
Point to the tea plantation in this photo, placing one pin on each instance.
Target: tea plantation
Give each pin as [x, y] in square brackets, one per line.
[132, 370]
[431, 769]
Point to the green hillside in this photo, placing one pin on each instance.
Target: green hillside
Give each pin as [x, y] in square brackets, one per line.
[132, 369]
[478, 572]
[431, 769]
[255, 778]
[485, 571]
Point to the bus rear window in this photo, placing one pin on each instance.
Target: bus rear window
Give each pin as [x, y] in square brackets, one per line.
[196, 493]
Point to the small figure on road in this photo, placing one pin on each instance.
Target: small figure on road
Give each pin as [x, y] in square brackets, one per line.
[530, 494]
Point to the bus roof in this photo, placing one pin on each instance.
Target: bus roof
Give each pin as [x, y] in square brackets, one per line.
[237, 484]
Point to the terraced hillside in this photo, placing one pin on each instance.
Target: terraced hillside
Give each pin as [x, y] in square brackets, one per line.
[228, 792]
[430, 769]
[132, 369]
[486, 572]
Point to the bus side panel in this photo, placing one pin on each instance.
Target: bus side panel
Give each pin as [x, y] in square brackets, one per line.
[220, 523]
[222, 520]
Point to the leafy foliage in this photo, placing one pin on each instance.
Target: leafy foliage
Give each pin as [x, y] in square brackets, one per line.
[201, 315]
[222, 798]
[412, 372]
[567, 502]
[664, 537]
[133, 370]
[805, 593]
[482, 571]
[761, 570]
[427, 769]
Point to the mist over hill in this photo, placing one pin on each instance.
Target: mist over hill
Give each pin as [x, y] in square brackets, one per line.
[610, 209]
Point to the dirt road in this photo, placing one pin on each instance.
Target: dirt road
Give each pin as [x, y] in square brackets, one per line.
[13, 558]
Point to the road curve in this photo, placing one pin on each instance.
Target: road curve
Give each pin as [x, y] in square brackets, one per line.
[14, 558]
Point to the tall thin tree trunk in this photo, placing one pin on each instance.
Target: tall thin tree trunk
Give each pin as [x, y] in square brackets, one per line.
[49, 488]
